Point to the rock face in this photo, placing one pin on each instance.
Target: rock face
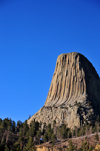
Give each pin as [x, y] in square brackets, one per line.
[74, 94]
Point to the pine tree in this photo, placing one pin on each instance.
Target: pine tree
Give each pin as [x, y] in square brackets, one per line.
[45, 138]
[6, 148]
[38, 135]
[30, 145]
[71, 146]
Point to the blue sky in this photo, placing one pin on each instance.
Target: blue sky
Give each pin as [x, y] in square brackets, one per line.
[32, 35]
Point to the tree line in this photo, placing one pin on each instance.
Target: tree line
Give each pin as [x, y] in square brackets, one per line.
[23, 137]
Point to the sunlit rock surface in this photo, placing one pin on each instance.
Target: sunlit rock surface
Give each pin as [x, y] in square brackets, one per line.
[74, 94]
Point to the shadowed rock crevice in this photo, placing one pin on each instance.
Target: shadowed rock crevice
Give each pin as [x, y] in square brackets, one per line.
[74, 80]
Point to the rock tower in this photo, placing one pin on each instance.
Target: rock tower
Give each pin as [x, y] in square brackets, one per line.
[74, 94]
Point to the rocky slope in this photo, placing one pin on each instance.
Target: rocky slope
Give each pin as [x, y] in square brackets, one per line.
[74, 94]
[62, 144]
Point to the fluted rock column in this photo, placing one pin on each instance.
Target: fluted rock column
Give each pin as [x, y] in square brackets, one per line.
[74, 80]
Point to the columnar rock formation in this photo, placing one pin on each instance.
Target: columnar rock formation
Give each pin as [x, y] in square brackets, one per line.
[74, 94]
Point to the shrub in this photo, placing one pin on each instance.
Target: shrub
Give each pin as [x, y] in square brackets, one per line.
[97, 137]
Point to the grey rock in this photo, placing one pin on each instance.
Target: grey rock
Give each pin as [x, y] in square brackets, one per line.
[74, 94]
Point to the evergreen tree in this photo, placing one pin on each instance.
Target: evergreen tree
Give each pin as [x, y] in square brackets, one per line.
[25, 128]
[71, 146]
[21, 138]
[19, 124]
[16, 147]
[45, 138]
[62, 132]
[13, 126]
[97, 137]
[32, 131]
[49, 131]
[30, 145]
[38, 135]
[53, 138]
[6, 148]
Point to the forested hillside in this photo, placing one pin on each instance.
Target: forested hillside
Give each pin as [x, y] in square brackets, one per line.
[22, 137]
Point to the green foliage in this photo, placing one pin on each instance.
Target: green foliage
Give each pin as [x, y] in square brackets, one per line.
[34, 127]
[98, 119]
[2, 147]
[85, 147]
[13, 126]
[44, 125]
[79, 104]
[49, 131]
[97, 137]
[19, 124]
[0, 121]
[44, 128]
[17, 137]
[75, 102]
[53, 138]
[32, 131]
[16, 147]
[94, 129]
[38, 135]
[71, 146]
[6, 148]
[30, 145]
[45, 138]
[62, 132]
[25, 128]
[84, 129]
[1, 129]
[79, 132]
[20, 136]
[6, 122]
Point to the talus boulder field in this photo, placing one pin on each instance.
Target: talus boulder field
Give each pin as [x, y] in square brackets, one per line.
[74, 94]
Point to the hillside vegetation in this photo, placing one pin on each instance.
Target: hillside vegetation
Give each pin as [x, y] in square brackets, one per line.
[22, 137]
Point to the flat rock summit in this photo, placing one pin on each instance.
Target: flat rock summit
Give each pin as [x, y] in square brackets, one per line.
[74, 95]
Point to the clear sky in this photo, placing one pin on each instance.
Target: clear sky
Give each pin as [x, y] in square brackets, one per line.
[32, 35]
